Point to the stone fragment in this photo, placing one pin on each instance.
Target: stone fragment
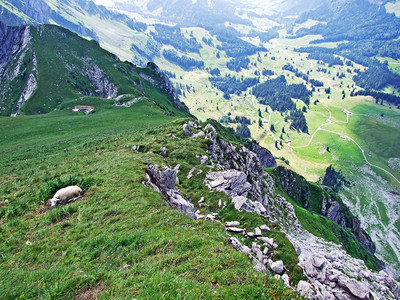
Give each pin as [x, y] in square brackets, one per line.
[318, 262]
[265, 228]
[277, 267]
[186, 130]
[232, 224]
[199, 134]
[286, 279]
[356, 288]
[238, 201]
[234, 229]
[304, 288]
[258, 231]
[268, 242]
[163, 152]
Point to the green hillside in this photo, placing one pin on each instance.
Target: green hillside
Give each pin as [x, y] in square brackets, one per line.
[121, 240]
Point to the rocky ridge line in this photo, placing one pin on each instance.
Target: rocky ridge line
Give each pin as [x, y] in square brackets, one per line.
[331, 272]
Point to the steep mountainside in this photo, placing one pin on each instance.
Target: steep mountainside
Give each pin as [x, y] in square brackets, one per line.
[138, 157]
[38, 78]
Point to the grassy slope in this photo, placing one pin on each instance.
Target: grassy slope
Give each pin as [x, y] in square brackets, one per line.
[121, 240]
[60, 68]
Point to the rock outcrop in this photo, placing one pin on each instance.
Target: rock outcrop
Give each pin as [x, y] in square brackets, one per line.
[164, 181]
[265, 156]
[165, 85]
[238, 172]
[15, 50]
[299, 189]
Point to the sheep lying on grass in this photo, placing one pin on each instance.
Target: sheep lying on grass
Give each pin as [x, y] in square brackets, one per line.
[65, 195]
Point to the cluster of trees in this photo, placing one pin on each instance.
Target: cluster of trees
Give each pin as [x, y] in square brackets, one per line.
[267, 72]
[298, 73]
[298, 119]
[316, 83]
[278, 93]
[231, 42]
[327, 58]
[230, 84]
[374, 32]
[265, 36]
[395, 100]
[213, 71]
[236, 64]
[228, 120]
[243, 131]
[174, 37]
[377, 77]
[185, 62]
[137, 26]
[208, 41]
[152, 50]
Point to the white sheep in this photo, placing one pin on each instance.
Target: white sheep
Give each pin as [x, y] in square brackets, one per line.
[67, 194]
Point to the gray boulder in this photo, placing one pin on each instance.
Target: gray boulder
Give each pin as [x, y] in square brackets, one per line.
[304, 288]
[232, 224]
[164, 181]
[356, 288]
[277, 267]
[186, 130]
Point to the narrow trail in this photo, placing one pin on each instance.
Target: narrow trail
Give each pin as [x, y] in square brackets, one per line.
[363, 153]
[330, 122]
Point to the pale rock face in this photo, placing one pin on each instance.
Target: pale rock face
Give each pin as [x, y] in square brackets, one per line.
[304, 288]
[286, 279]
[232, 224]
[277, 267]
[356, 288]
[164, 181]
[235, 229]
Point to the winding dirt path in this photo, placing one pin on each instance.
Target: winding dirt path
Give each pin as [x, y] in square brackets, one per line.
[329, 122]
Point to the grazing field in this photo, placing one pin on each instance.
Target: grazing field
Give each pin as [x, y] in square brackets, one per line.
[121, 239]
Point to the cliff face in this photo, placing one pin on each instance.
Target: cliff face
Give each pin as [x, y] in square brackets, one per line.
[325, 204]
[18, 68]
[163, 83]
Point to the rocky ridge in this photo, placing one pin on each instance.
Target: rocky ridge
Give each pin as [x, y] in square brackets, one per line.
[165, 85]
[238, 172]
[299, 189]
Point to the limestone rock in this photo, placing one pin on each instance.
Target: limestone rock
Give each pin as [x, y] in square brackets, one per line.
[278, 267]
[235, 229]
[265, 228]
[266, 158]
[232, 224]
[356, 288]
[318, 262]
[163, 152]
[258, 231]
[269, 242]
[164, 181]
[286, 279]
[186, 130]
[251, 235]
[199, 134]
[304, 288]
